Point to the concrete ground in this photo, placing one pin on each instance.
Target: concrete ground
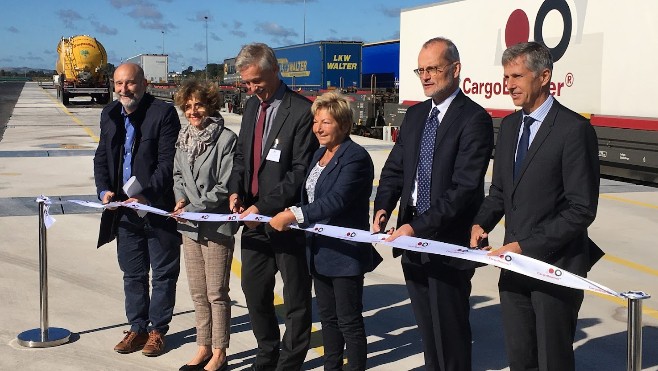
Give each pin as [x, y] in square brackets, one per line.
[47, 149]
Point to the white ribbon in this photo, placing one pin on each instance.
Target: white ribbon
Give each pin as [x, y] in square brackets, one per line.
[48, 219]
[514, 262]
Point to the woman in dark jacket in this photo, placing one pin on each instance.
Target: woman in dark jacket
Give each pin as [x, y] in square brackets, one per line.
[337, 192]
[202, 166]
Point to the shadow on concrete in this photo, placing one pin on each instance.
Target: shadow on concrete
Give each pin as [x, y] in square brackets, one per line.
[9, 95]
[392, 322]
[178, 339]
[610, 352]
[109, 327]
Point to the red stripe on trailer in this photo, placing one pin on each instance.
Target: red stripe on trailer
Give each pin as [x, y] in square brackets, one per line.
[635, 123]
[499, 113]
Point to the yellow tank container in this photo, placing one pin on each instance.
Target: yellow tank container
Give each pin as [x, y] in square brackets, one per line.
[81, 59]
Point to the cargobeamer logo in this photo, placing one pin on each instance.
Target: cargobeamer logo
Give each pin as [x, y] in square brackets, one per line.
[517, 29]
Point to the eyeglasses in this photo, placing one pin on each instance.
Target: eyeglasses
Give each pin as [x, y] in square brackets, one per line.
[432, 70]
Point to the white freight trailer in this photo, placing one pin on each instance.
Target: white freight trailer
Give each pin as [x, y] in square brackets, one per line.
[605, 50]
[605, 54]
[156, 66]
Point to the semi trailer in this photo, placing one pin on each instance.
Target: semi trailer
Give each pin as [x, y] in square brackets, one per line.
[604, 65]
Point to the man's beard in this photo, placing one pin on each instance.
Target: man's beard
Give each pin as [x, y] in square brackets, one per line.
[132, 103]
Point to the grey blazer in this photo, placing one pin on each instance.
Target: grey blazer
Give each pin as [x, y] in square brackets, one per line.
[205, 187]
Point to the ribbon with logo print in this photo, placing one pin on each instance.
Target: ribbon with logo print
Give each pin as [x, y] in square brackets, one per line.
[514, 262]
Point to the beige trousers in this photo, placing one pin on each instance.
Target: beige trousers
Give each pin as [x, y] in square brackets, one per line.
[208, 266]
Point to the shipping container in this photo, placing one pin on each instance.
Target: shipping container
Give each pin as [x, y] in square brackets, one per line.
[381, 65]
[231, 76]
[321, 65]
[156, 67]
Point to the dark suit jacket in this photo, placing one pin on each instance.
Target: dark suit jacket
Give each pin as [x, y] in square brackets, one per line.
[554, 198]
[341, 198]
[278, 182]
[156, 130]
[464, 141]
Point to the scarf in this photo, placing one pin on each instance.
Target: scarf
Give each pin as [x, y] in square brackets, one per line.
[195, 141]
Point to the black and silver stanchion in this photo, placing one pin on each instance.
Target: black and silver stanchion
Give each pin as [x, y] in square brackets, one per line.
[635, 328]
[44, 336]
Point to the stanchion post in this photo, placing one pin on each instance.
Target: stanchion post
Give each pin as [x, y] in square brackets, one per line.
[634, 361]
[44, 336]
[43, 274]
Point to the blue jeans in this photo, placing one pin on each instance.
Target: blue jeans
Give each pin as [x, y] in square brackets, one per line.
[140, 247]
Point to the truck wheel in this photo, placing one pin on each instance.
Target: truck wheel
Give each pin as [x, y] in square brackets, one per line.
[102, 99]
[65, 98]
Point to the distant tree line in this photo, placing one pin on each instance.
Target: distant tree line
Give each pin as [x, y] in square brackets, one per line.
[28, 73]
[215, 72]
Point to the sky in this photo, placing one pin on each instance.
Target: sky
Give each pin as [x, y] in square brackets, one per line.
[31, 29]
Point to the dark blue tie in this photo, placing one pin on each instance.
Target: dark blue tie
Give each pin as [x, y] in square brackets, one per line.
[424, 171]
[524, 143]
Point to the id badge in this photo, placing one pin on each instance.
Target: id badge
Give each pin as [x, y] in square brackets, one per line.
[273, 155]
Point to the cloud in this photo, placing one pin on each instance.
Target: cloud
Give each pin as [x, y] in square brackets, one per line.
[235, 30]
[49, 52]
[215, 37]
[145, 10]
[395, 35]
[121, 3]
[101, 28]
[157, 25]
[199, 46]
[197, 62]
[31, 57]
[273, 29]
[113, 57]
[12, 29]
[201, 16]
[147, 13]
[68, 16]
[392, 12]
[175, 59]
[332, 31]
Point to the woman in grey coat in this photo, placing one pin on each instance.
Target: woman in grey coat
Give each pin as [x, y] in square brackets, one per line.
[203, 162]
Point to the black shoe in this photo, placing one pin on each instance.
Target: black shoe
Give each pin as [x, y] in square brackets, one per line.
[224, 365]
[197, 367]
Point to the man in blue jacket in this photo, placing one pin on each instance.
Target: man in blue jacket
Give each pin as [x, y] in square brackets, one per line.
[138, 134]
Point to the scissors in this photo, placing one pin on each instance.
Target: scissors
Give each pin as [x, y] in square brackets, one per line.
[381, 223]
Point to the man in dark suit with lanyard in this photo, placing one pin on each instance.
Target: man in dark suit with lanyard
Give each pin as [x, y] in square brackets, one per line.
[272, 155]
[138, 134]
[546, 184]
[436, 170]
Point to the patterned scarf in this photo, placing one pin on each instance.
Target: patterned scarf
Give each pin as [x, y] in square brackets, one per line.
[195, 141]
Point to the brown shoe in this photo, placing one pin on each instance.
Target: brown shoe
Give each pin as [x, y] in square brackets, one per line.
[131, 342]
[155, 344]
